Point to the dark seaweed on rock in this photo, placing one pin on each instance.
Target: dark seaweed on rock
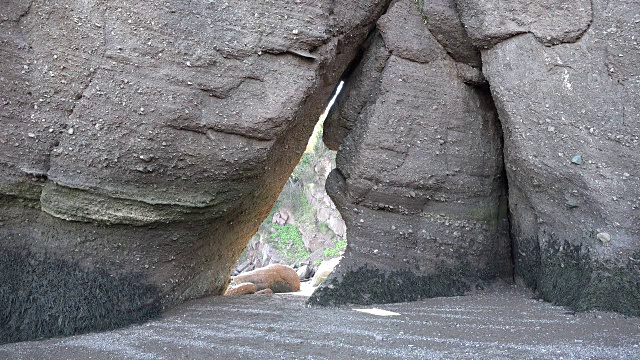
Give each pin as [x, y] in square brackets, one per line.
[372, 286]
[570, 277]
[44, 296]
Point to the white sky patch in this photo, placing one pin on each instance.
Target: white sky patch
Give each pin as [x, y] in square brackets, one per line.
[378, 312]
[333, 99]
[312, 140]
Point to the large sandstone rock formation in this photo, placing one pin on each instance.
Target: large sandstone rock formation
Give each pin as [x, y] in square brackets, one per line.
[419, 178]
[572, 149]
[143, 143]
[565, 87]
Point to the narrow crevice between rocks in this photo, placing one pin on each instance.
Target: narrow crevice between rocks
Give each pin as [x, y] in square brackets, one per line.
[486, 88]
[338, 126]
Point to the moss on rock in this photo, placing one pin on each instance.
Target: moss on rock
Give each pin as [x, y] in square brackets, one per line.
[373, 286]
[571, 277]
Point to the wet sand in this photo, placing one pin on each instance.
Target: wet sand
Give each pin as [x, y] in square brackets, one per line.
[505, 323]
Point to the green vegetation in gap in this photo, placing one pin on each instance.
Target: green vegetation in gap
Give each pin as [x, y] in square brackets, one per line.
[287, 239]
[335, 251]
[293, 195]
[305, 170]
[324, 227]
[296, 201]
[304, 164]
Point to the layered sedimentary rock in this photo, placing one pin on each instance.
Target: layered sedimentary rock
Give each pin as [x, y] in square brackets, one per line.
[571, 119]
[565, 82]
[419, 178]
[143, 143]
[552, 22]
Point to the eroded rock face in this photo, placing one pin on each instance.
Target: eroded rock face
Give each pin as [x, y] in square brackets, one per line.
[562, 80]
[419, 178]
[571, 118]
[143, 143]
[552, 22]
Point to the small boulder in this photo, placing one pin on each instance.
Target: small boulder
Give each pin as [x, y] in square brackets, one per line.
[241, 289]
[280, 218]
[577, 160]
[303, 272]
[604, 237]
[264, 292]
[245, 266]
[277, 277]
[324, 270]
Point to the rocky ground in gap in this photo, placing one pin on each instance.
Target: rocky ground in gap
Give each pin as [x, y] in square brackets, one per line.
[503, 323]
